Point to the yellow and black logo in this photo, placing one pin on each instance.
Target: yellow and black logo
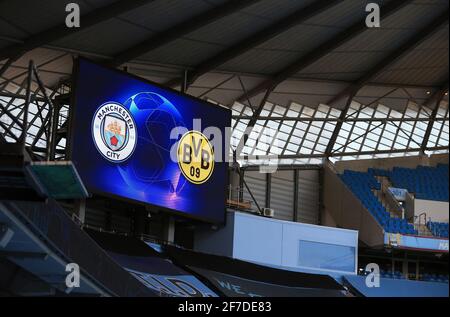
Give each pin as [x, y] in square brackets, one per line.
[195, 157]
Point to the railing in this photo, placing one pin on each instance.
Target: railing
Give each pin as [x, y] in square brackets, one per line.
[422, 227]
[393, 203]
[153, 239]
[388, 199]
[235, 200]
[56, 229]
[419, 217]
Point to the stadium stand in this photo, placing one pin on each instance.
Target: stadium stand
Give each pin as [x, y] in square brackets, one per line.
[396, 287]
[386, 274]
[440, 278]
[425, 182]
[438, 229]
[395, 275]
[362, 185]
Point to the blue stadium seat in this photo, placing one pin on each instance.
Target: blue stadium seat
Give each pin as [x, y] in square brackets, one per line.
[425, 182]
[438, 229]
[362, 184]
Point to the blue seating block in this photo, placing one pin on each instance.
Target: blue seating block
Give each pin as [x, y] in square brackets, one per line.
[425, 182]
[438, 229]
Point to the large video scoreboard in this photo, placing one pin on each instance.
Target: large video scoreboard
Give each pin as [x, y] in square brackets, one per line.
[133, 139]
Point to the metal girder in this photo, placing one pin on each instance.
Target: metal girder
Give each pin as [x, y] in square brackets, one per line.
[350, 141]
[307, 119]
[6, 66]
[340, 122]
[322, 50]
[23, 136]
[253, 120]
[256, 39]
[439, 97]
[393, 57]
[11, 79]
[180, 30]
[340, 154]
[423, 34]
[52, 34]
[310, 58]
[24, 124]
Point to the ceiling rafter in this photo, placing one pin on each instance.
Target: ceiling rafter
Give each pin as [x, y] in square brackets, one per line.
[314, 55]
[350, 91]
[321, 50]
[256, 39]
[57, 32]
[179, 30]
[438, 97]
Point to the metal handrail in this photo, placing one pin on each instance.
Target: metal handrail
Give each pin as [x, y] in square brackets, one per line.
[425, 218]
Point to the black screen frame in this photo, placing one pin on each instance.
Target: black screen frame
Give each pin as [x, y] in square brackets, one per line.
[72, 125]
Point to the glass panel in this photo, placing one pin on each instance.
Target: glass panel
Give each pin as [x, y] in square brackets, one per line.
[326, 256]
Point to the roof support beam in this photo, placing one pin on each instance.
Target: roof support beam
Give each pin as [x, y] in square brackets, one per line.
[270, 84]
[256, 39]
[180, 30]
[340, 154]
[252, 122]
[308, 119]
[393, 57]
[337, 128]
[439, 97]
[310, 58]
[57, 32]
[423, 34]
[323, 49]
[5, 66]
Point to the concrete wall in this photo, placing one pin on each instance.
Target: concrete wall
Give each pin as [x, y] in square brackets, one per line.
[389, 163]
[347, 211]
[436, 210]
[271, 242]
[327, 219]
[409, 207]
[217, 242]
[258, 239]
[439, 158]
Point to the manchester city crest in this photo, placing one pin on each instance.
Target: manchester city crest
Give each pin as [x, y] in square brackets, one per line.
[114, 132]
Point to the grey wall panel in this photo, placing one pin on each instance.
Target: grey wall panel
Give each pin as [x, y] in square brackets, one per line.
[308, 196]
[282, 195]
[120, 223]
[95, 218]
[256, 181]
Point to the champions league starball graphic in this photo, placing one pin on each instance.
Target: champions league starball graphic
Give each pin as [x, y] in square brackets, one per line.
[152, 164]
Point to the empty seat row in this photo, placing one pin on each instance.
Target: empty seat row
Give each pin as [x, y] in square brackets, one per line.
[440, 278]
[362, 184]
[428, 277]
[438, 229]
[430, 183]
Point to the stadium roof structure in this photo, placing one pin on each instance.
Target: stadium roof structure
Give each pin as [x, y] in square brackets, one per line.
[310, 74]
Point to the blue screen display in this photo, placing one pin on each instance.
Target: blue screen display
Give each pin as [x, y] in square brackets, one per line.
[125, 136]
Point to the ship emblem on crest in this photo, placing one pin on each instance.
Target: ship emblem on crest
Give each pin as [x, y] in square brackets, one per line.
[115, 132]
